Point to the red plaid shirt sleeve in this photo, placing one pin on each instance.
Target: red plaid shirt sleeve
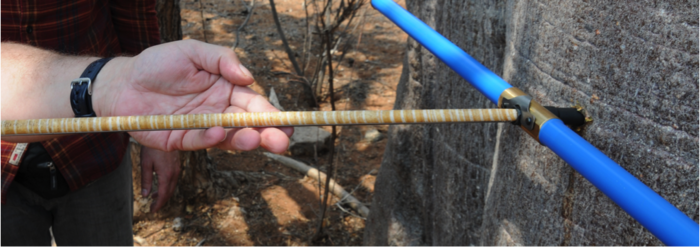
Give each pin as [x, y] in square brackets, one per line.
[136, 25]
[82, 27]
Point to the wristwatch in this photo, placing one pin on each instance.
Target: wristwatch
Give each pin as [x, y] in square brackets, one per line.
[81, 89]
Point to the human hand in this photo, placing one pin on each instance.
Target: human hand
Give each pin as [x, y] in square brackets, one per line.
[186, 77]
[167, 166]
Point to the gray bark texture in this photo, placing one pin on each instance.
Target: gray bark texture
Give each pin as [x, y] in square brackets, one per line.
[633, 65]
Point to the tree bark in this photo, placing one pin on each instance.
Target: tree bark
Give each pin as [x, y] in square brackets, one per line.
[168, 12]
[633, 67]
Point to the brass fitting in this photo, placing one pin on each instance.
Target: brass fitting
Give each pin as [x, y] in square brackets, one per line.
[540, 114]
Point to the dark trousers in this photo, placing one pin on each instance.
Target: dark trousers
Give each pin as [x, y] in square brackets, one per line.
[97, 214]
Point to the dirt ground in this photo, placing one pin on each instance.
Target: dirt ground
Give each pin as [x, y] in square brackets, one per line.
[281, 206]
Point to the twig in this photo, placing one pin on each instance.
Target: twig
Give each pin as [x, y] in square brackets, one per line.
[154, 232]
[320, 76]
[290, 54]
[201, 242]
[357, 186]
[346, 46]
[250, 13]
[325, 23]
[288, 74]
[307, 40]
[204, 26]
[331, 154]
[348, 212]
[314, 173]
[362, 22]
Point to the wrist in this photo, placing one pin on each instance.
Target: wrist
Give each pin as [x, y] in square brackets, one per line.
[66, 69]
[105, 89]
[81, 89]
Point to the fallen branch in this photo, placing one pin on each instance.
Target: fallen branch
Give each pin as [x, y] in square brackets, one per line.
[314, 173]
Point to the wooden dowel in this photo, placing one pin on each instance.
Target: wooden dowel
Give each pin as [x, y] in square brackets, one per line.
[251, 119]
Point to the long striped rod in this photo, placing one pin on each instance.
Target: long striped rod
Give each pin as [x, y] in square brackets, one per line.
[251, 119]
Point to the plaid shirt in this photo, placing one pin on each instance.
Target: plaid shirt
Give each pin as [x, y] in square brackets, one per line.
[81, 27]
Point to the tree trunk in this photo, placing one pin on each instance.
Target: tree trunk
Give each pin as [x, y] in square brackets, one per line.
[632, 66]
[168, 12]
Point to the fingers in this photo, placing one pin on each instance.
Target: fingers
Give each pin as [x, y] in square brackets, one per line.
[244, 139]
[274, 140]
[289, 131]
[250, 101]
[196, 139]
[167, 166]
[158, 197]
[217, 60]
[146, 173]
[166, 187]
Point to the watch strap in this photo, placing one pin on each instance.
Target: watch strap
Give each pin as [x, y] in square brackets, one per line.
[81, 89]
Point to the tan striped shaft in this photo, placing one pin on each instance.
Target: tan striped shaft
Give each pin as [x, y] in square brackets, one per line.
[252, 119]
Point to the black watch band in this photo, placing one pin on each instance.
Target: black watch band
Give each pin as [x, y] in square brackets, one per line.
[81, 89]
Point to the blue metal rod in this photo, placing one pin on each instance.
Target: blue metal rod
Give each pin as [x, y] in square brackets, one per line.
[478, 75]
[661, 218]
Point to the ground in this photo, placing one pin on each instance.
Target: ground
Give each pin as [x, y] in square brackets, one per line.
[278, 205]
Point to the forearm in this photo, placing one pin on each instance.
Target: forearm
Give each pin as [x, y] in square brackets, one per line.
[36, 83]
[183, 77]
